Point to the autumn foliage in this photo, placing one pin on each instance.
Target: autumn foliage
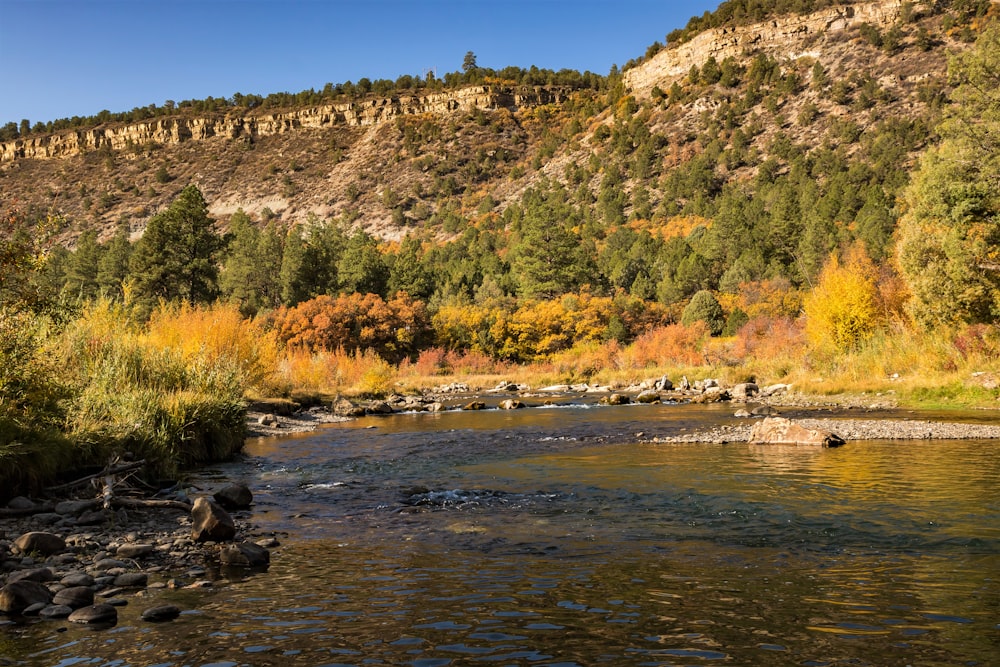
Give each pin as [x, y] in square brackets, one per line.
[392, 329]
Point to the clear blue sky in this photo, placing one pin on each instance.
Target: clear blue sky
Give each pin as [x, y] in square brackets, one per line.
[61, 58]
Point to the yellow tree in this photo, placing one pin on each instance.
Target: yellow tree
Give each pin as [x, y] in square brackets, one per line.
[843, 309]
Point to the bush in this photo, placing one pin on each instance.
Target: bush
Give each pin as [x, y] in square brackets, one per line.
[843, 309]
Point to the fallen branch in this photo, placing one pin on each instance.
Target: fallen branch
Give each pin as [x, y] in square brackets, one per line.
[110, 470]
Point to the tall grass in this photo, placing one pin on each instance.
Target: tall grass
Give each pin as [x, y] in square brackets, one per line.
[171, 392]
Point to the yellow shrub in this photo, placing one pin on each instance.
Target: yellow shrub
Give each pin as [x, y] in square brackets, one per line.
[843, 309]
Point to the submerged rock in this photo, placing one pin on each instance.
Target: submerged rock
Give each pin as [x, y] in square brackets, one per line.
[246, 554]
[166, 612]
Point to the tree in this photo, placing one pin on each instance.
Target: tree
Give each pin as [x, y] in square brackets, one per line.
[81, 270]
[843, 309]
[949, 239]
[252, 262]
[361, 268]
[113, 266]
[176, 257]
[469, 62]
[704, 307]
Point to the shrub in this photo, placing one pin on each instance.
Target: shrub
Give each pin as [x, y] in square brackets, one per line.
[842, 310]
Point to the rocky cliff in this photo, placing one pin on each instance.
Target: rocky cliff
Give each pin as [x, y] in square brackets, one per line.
[359, 113]
[785, 38]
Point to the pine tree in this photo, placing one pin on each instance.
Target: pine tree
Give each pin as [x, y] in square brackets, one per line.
[113, 267]
[176, 257]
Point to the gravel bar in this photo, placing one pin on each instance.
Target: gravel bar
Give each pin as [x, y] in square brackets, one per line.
[855, 429]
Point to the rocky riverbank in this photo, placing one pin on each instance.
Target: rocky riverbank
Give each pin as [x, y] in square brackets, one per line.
[78, 561]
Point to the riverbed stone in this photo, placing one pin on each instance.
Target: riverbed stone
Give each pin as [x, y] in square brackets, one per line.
[616, 399]
[245, 554]
[648, 396]
[210, 522]
[165, 612]
[235, 496]
[379, 408]
[781, 431]
[39, 574]
[744, 391]
[97, 614]
[511, 404]
[134, 550]
[77, 579]
[74, 597]
[344, 408]
[132, 580]
[19, 595]
[53, 611]
[74, 507]
[91, 518]
[474, 405]
[20, 503]
[43, 543]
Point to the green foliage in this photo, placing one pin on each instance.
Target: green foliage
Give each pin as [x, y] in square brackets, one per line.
[949, 240]
[704, 307]
[251, 263]
[176, 257]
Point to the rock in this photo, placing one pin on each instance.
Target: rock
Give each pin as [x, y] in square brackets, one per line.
[267, 420]
[54, 611]
[166, 612]
[780, 431]
[134, 550]
[511, 404]
[663, 384]
[507, 386]
[39, 574]
[17, 596]
[77, 579]
[211, 522]
[774, 389]
[764, 411]
[711, 395]
[741, 413]
[474, 405]
[45, 544]
[245, 554]
[20, 503]
[616, 399]
[344, 408]
[648, 396]
[74, 507]
[744, 391]
[132, 580]
[74, 597]
[684, 384]
[558, 388]
[379, 408]
[435, 407]
[91, 518]
[234, 496]
[95, 614]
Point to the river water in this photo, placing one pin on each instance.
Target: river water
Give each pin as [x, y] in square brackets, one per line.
[554, 536]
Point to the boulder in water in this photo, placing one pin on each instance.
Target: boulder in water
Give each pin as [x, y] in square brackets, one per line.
[781, 431]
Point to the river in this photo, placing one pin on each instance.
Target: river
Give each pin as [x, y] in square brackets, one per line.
[556, 536]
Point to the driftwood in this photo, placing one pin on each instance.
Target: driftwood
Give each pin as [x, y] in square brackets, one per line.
[152, 503]
[110, 470]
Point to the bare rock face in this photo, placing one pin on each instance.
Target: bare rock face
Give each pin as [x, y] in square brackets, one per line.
[781, 431]
[234, 496]
[42, 543]
[209, 522]
[18, 596]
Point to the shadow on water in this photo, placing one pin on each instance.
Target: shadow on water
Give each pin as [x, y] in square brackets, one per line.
[553, 536]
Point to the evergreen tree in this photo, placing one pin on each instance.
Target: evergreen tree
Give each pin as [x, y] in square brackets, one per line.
[295, 287]
[176, 256]
[82, 268]
[408, 273]
[250, 272]
[113, 266]
[361, 268]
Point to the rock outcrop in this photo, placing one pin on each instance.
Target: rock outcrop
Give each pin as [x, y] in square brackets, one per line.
[783, 38]
[366, 112]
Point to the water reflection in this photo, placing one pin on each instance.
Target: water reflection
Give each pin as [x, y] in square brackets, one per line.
[552, 537]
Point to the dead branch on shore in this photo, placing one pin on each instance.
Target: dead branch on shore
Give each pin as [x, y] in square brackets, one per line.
[110, 470]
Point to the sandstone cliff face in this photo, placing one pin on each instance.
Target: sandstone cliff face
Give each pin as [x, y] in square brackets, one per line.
[782, 38]
[368, 112]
